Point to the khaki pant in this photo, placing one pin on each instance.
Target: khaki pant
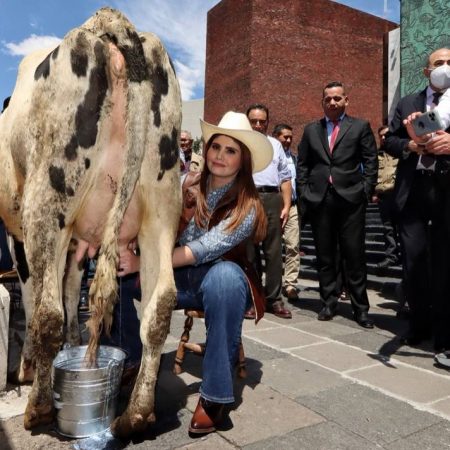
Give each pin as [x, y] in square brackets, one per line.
[291, 237]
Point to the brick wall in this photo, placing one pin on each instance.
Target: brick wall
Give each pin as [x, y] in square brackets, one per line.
[282, 53]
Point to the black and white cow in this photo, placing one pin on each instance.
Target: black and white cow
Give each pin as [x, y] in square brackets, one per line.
[89, 150]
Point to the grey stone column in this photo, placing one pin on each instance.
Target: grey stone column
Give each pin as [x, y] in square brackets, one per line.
[4, 327]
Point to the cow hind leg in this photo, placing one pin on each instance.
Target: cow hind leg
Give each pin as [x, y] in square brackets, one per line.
[47, 330]
[158, 301]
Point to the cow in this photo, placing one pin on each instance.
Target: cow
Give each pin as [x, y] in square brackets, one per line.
[89, 151]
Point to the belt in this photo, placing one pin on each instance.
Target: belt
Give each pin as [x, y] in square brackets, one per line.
[267, 189]
[425, 173]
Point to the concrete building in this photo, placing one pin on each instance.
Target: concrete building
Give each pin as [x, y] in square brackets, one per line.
[192, 112]
[282, 54]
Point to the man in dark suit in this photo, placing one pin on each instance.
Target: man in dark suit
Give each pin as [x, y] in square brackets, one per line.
[337, 172]
[422, 198]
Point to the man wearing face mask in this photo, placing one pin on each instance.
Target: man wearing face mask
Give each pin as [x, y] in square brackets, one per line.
[440, 77]
[436, 143]
[422, 198]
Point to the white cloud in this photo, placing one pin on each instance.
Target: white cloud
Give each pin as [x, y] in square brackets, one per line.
[30, 44]
[181, 25]
[188, 78]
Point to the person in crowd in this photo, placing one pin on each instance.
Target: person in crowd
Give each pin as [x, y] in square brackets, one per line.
[440, 80]
[274, 187]
[291, 232]
[211, 269]
[197, 163]
[186, 142]
[384, 190]
[422, 197]
[337, 172]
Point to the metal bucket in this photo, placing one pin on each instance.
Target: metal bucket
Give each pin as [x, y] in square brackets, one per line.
[86, 398]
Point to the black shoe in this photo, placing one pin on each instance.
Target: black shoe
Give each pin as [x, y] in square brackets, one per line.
[363, 320]
[326, 313]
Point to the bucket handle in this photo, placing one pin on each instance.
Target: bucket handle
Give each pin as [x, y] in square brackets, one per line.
[112, 367]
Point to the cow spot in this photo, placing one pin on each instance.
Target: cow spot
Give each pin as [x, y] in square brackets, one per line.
[168, 150]
[135, 58]
[43, 69]
[70, 150]
[61, 221]
[21, 261]
[57, 179]
[55, 53]
[88, 112]
[160, 83]
[79, 56]
[87, 163]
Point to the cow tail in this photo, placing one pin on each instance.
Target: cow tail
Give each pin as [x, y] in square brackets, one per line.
[103, 291]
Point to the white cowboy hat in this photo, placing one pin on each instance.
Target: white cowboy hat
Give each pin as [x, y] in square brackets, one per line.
[237, 126]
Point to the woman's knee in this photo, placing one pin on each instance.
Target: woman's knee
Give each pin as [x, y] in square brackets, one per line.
[225, 279]
[226, 273]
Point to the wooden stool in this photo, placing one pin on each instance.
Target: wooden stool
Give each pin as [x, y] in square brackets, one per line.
[199, 349]
[9, 276]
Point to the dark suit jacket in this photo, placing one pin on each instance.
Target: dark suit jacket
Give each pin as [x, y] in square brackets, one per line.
[353, 164]
[396, 142]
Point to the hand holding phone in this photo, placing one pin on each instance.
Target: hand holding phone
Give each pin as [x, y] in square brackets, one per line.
[427, 123]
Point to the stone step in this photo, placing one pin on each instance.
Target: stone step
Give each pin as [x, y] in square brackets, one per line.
[309, 261]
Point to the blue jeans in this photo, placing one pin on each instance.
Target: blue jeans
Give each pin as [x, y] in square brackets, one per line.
[221, 290]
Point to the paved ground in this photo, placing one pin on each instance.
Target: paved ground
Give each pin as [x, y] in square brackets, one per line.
[310, 385]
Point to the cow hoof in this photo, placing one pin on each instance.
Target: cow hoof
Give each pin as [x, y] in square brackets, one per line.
[25, 373]
[38, 415]
[123, 427]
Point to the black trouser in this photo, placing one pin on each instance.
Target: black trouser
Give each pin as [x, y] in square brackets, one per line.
[335, 220]
[424, 233]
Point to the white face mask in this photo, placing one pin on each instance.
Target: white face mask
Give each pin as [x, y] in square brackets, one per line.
[440, 77]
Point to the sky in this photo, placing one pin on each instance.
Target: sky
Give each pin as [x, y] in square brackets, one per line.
[27, 25]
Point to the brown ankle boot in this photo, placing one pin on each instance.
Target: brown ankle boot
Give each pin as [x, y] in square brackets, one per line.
[206, 416]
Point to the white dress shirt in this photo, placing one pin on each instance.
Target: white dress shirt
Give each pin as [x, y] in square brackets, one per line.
[277, 171]
[444, 108]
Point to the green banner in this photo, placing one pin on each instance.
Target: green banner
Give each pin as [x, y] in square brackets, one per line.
[425, 27]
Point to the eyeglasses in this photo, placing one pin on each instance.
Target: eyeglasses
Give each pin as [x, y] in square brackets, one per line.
[258, 122]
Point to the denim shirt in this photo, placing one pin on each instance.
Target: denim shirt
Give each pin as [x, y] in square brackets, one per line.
[208, 245]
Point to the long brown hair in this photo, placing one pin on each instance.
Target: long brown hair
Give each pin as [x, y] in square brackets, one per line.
[240, 199]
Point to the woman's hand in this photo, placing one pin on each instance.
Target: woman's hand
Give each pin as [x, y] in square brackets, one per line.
[182, 256]
[129, 262]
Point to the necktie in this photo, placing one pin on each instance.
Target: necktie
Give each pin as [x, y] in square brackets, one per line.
[436, 97]
[428, 160]
[334, 134]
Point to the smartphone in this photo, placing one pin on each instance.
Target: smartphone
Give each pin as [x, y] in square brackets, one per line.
[428, 122]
